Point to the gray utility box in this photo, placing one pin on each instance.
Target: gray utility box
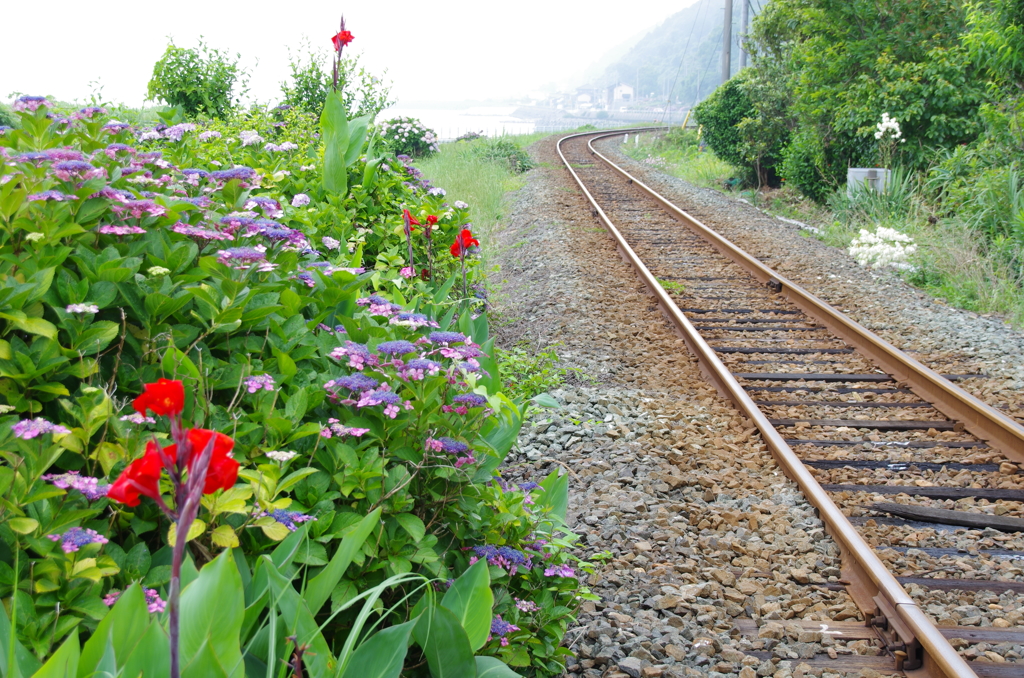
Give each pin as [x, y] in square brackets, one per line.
[874, 178]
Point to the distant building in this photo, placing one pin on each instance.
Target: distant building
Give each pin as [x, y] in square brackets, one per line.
[589, 97]
[620, 93]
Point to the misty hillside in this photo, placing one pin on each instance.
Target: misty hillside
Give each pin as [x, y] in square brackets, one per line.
[685, 50]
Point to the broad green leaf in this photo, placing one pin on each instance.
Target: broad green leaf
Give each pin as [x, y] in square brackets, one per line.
[470, 600]
[335, 134]
[382, 654]
[37, 326]
[319, 588]
[212, 608]
[63, 662]
[25, 663]
[413, 525]
[444, 643]
[356, 137]
[150, 656]
[545, 400]
[492, 667]
[555, 494]
[23, 525]
[124, 626]
[442, 292]
[205, 664]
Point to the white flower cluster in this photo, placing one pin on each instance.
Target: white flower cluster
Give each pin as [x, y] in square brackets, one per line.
[890, 125]
[884, 247]
[404, 129]
[249, 137]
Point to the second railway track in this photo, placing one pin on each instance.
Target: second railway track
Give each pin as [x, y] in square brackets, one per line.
[832, 401]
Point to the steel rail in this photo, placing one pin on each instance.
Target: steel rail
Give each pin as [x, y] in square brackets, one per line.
[978, 417]
[873, 588]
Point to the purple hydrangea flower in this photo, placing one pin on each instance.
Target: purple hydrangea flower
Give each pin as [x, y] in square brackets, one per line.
[30, 104]
[470, 400]
[113, 194]
[176, 132]
[452, 446]
[76, 538]
[526, 605]
[355, 382]
[260, 381]
[200, 201]
[114, 126]
[199, 233]
[87, 485]
[289, 519]
[120, 230]
[209, 134]
[500, 627]
[140, 208]
[26, 429]
[559, 571]
[89, 112]
[358, 355]
[301, 200]
[396, 348]
[64, 155]
[268, 206]
[77, 170]
[418, 368]
[233, 256]
[446, 337]
[242, 173]
[56, 196]
[154, 603]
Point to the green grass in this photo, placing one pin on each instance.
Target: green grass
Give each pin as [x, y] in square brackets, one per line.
[686, 161]
[480, 183]
[954, 262]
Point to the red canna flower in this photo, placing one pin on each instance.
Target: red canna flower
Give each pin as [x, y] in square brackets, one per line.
[463, 241]
[342, 39]
[142, 477]
[165, 398]
[223, 470]
[431, 219]
[410, 220]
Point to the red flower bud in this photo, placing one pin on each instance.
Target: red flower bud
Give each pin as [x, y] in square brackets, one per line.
[165, 398]
[431, 219]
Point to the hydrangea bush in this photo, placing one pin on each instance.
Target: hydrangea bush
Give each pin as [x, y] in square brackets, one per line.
[408, 136]
[331, 337]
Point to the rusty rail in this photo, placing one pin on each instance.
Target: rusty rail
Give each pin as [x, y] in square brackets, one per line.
[915, 642]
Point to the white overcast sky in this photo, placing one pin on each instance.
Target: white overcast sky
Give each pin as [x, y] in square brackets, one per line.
[445, 50]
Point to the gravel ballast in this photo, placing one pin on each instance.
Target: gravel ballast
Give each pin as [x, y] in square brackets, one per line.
[691, 523]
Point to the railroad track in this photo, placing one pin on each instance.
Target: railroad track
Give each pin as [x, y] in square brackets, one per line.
[828, 397]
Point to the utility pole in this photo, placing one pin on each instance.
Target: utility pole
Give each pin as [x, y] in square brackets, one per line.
[744, 22]
[727, 41]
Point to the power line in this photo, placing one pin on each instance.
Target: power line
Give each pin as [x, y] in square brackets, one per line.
[682, 58]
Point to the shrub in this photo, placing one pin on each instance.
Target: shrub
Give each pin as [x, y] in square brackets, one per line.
[407, 136]
[505, 151]
[216, 257]
[201, 80]
[720, 114]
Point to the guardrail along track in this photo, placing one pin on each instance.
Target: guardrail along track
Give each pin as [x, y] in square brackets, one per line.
[823, 384]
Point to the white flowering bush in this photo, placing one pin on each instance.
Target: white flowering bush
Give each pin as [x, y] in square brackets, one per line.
[884, 247]
[408, 136]
[889, 137]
